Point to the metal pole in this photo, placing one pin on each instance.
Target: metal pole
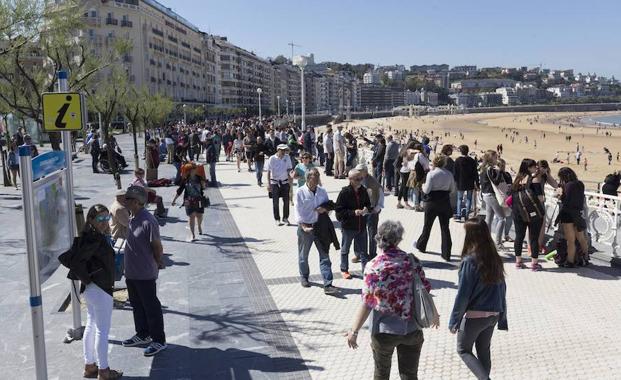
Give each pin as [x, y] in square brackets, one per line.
[303, 102]
[278, 98]
[76, 332]
[36, 308]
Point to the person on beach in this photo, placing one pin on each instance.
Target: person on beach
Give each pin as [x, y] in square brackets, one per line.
[340, 150]
[543, 177]
[278, 168]
[571, 193]
[481, 302]
[144, 257]
[491, 178]
[407, 169]
[352, 207]
[528, 212]
[392, 153]
[94, 266]
[466, 181]
[192, 187]
[437, 189]
[390, 304]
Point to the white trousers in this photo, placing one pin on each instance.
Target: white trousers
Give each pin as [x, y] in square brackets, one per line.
[99, 316]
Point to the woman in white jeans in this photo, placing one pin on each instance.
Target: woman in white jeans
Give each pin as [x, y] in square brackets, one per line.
[495, 214]
[93, 264]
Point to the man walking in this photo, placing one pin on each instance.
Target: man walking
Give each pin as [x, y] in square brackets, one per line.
[376, 197]
[211, 157]
[352, 205]
[278, 168]
[143, 259]
[392, 152]
[95, 152]
[466, 180]
[338, 144]
[328, 149]
[311, 200]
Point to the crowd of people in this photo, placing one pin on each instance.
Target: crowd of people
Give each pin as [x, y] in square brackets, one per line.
[419, 171]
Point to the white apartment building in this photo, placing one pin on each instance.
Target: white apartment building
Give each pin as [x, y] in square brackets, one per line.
[509, 96]
[169, 54]
[371, 77]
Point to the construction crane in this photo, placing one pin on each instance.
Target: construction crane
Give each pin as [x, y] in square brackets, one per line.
[293, 45]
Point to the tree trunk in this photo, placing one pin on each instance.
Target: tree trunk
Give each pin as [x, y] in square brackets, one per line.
[55, 140]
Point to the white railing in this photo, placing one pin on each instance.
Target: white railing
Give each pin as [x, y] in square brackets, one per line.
[602, 214]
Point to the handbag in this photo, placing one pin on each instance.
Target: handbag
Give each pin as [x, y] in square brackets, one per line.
[501, 195]
[425, 311]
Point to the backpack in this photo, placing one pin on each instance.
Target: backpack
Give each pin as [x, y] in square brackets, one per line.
[560, 244]
[527, 205]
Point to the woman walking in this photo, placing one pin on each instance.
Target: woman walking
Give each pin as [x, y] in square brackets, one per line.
[93, 264]
[192, 187]
[543, 177]
[480, 303]
[437, 188]
[407, 169]
[528, 212]
[490, 177]
[573, 225]
[238, 149]
[388, 297]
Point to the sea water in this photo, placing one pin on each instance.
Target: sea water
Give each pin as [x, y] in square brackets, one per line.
[608, 120]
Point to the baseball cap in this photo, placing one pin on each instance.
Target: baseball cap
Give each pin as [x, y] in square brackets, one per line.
[138, 193]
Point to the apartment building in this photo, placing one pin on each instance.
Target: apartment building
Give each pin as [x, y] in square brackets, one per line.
[242, 73]
[169, 54]
[286, 84]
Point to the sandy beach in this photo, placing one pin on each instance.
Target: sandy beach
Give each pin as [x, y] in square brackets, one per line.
[533, 135]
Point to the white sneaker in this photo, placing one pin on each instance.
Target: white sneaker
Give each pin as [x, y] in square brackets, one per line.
[277, 222]
[285, 221]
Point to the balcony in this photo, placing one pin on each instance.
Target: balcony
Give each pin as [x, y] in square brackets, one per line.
[158, 32]
[112, 21]
[127, 24]
[93, 21]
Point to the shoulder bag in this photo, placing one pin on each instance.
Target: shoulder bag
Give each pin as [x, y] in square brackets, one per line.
[425, 311]
[501, 195]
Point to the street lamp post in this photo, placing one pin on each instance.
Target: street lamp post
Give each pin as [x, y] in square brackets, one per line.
[259, 91]
[184, 116]
[301, 62]
[294, 112]
[287, 104]
[278, 99]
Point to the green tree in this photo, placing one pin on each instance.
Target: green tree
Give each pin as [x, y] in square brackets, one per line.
[133, 112]
[106, 99]
[47, 40]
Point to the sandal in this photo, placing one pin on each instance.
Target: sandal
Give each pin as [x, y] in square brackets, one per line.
[536, 267]
[519, 265]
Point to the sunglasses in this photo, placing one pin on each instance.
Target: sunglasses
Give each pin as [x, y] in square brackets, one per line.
[102, 218]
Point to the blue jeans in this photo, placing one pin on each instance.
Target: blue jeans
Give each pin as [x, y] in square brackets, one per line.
[460, 199]
[305, 241]
[259, 166]
[359, 238]
[212, 174]
[372, 222]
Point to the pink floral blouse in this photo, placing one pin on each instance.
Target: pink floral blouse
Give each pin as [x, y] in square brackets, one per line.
[387, 284]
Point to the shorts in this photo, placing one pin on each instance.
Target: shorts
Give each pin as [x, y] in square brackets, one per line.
[189, 210]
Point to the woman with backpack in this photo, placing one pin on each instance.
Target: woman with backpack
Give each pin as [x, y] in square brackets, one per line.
[528, 212]
[388, 296]
[573, 225]
[192, 187]
[480, 303]
[92, 263]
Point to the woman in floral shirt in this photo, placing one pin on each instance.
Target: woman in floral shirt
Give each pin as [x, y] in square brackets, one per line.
[387, 297]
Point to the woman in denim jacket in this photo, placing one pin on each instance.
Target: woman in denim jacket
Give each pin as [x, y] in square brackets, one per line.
[481, 298]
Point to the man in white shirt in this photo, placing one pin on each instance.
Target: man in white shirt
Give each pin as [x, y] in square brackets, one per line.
[278, 168]
[328, 149]
[338, 143]
[311, 201]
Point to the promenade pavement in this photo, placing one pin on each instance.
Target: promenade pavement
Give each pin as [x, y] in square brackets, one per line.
[234, 308]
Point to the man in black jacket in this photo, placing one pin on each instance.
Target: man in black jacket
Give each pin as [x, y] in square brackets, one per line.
[95, 152]
[352, 206]
[466, 180]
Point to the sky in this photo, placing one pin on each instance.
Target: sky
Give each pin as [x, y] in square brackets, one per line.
[578, 34]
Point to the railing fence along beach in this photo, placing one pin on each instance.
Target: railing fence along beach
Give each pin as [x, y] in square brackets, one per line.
[602, 214]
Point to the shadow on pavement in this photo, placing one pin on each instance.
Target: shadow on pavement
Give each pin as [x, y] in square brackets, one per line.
[180, 362]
